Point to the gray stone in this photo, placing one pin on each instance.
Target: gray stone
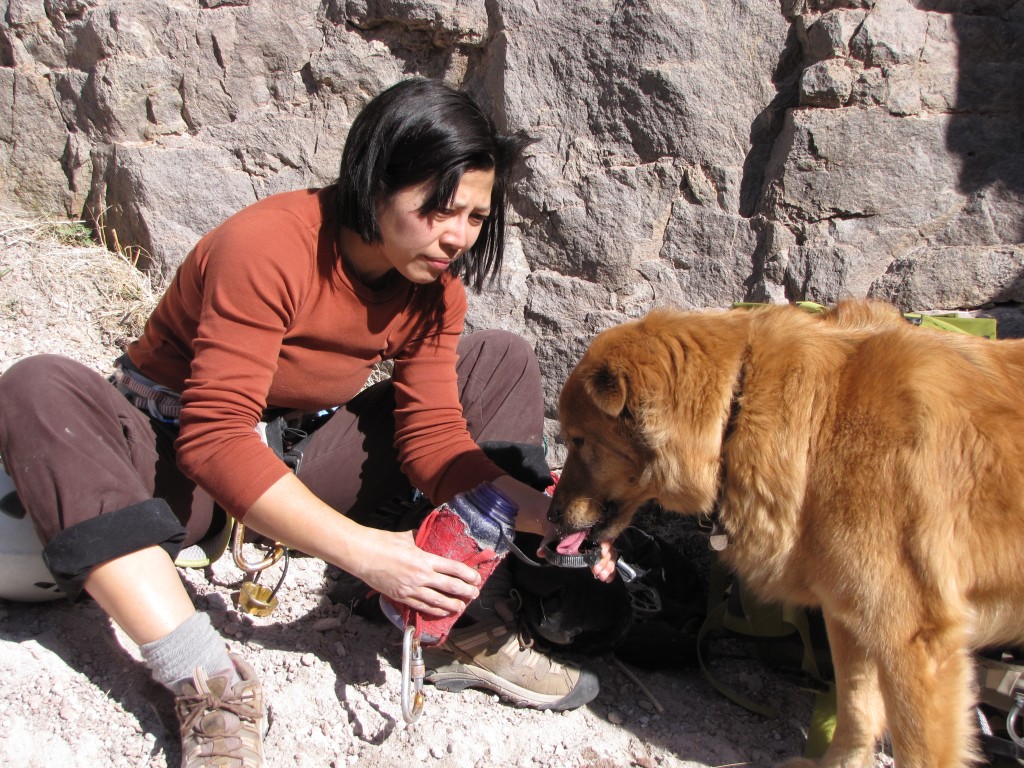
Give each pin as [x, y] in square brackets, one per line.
[137, 181]
[445, 23]
[953, 277]
[34, 145]
[893, 33]
[827, 84]
[710, 251]
[829, 36]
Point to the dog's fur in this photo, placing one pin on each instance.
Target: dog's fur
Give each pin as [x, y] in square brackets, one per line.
[857, 463]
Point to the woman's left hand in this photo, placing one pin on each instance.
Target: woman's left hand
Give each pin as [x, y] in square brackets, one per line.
[604, 568]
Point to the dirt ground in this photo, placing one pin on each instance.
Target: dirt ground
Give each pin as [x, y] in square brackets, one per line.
[74, 693]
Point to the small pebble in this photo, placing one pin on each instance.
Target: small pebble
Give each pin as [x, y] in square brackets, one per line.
[615, 718]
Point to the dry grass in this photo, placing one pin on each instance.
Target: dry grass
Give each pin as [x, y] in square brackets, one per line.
[63, 293]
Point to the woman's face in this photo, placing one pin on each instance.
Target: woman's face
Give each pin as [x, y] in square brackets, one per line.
[420, 247]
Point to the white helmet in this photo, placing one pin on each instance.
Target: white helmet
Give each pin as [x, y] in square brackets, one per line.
[23, 575]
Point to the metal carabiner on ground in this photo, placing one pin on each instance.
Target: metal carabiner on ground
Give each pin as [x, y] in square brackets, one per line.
[413, 672]
[252, 568]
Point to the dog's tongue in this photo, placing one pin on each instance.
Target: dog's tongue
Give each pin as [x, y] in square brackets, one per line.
[570, 545]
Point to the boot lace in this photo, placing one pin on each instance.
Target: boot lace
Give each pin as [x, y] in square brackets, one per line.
[193, 707]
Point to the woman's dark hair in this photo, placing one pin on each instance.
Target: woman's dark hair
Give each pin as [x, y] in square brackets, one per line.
[424, 130]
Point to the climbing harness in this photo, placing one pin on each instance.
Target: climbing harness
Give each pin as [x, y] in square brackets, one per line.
[158, 401]
[164, 405]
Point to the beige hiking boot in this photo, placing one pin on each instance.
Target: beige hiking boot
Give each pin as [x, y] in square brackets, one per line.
[222, 726]
[500, 657]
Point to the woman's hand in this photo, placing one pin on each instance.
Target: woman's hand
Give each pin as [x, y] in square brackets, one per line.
[604, 568]
[387, 561]
[425, 582]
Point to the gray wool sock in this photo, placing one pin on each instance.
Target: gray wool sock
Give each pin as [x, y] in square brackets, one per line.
[195, 643]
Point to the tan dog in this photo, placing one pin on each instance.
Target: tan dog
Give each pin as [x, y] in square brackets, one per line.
[857, 463]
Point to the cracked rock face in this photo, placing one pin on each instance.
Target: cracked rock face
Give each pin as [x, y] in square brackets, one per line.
[692, 156]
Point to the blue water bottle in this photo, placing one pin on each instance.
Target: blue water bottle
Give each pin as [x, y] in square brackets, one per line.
[490, 516]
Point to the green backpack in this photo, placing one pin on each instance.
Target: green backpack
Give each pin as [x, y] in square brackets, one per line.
[794, 638]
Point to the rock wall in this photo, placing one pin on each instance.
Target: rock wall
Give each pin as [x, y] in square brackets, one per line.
[687, 153]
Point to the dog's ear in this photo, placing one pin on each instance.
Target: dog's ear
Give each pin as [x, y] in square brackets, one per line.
[607, 388]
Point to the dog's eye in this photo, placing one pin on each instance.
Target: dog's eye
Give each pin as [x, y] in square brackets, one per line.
[577, 442]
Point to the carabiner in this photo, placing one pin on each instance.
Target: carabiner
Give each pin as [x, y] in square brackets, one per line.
[413, 671]
[239, 556]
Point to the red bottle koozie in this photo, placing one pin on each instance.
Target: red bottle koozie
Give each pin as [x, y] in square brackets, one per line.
[444, 533]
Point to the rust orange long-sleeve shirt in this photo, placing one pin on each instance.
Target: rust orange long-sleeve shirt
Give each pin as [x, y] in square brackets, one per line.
[264, 312]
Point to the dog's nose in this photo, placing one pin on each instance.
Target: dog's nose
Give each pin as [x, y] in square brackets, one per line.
[554, 514]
